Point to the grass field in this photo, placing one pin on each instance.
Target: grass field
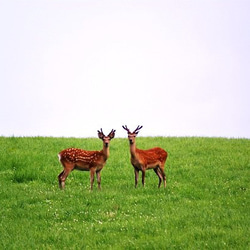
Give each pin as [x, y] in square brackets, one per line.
[205, 204]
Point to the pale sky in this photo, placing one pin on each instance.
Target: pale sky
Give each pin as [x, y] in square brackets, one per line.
[177, 67]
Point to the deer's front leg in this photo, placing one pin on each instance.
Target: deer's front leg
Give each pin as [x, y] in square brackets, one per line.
[98, 176]
[136, 176]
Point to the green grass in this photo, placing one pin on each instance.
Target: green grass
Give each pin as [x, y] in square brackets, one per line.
[205, 204]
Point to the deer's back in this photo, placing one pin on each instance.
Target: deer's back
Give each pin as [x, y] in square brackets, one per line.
[152, 155]
[79, 155]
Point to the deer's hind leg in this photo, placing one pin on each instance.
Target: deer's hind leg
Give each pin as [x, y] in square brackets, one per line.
[158, 173]
[161, 169]
[64, 174]
[62, 178]
[143, 171]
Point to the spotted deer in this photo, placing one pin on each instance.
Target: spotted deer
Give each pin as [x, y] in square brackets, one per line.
[79, 159]
[143, 160]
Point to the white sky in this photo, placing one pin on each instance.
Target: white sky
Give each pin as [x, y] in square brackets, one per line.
[177, 67]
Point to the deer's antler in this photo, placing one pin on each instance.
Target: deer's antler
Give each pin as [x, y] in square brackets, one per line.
[137, 129]
[100, 134]
[126, 128]
[112, 134]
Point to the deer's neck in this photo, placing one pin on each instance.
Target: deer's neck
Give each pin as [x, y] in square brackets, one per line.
[105, 152]
[133, 150]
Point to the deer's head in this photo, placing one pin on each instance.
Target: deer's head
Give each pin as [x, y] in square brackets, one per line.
[131, 136]
[104, 138]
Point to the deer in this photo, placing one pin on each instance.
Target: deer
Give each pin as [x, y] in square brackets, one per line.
[79, 159]
[143, 160]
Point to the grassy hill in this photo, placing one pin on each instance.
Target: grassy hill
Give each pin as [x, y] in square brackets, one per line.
[205, 204]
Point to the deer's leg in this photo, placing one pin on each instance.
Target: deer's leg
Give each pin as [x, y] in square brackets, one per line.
[136, 176]
[92, 177]
[98, 176]
[157, 171]
[161, 169]
[62, 177]
[59, 179]
[143, 176]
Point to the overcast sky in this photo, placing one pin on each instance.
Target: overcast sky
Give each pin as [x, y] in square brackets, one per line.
[177, 67]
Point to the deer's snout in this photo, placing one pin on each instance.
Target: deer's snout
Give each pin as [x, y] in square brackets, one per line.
[106, 141]
[130, 140]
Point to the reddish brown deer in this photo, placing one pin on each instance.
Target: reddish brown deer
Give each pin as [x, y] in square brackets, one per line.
[93, 161]
[143, 160]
